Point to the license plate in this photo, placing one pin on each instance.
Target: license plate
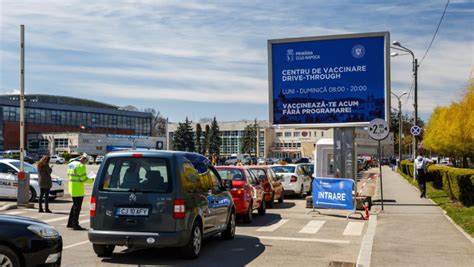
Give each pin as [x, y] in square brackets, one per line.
[132, 212]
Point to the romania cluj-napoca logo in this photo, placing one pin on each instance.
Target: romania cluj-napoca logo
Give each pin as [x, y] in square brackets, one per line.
[290, 55]
[358, 51]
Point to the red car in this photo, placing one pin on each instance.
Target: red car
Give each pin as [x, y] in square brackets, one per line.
[247, 191]
[271, 184]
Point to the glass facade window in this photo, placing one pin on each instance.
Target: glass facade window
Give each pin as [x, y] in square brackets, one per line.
[296, 134]
[61, 143]
[141, 126]
[279, 134]
[287, 134]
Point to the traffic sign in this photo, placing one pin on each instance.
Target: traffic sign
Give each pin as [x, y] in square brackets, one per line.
[378, 129]
[415, 130]
[21, 176]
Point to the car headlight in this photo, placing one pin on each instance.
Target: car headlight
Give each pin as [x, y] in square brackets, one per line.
[45, 231]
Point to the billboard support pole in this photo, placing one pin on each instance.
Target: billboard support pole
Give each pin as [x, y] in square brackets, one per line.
[380, 171]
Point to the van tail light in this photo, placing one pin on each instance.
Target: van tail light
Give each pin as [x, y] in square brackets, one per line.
[179, 211]
[293, 179]
[93, 206]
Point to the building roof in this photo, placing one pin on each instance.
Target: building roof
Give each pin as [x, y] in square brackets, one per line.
[67, 103]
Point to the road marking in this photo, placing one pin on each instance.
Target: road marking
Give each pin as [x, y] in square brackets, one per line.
[76, 244]
[312, 227]
[318, 240]
[60, 219]
[354, 228]
[365, 252]
[80, 222]
[14, 212]
[272, 226]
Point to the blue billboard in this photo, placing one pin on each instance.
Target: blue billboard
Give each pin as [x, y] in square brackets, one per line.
[338, 80]
[333, 193]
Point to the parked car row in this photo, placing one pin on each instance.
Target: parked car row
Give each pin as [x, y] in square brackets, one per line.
[9, 169]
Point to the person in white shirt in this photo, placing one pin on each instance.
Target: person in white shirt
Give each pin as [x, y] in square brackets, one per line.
[421, 171]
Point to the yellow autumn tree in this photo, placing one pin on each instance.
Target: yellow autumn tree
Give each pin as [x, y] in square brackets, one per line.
[450, 130]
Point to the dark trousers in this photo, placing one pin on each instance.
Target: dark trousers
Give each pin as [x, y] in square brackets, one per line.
[421, 177]
[44, 193]
[75, 211]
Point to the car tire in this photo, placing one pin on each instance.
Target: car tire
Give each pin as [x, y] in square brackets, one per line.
[271, 203]
[229, 232]
[32, 194]
[58, 162]
[103, 250]
[8, 257]
[248, 217]
[262, 209]
[192, 249]
[281, 198]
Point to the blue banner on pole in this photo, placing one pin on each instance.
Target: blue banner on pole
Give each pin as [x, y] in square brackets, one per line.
[333, 193]
[339, 80]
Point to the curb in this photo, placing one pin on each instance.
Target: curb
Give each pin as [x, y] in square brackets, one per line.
[8, 207]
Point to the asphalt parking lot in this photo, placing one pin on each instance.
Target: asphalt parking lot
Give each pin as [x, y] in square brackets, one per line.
[289, 234]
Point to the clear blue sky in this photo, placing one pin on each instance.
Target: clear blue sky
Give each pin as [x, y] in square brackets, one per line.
[204, 59]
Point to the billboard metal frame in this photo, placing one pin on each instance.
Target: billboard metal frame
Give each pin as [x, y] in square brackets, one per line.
[385, 35]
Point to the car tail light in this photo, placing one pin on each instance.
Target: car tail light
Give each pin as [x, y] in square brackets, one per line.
[137, 155]
[179, 211]
[293, 179]
[93, 206]
[237, 191]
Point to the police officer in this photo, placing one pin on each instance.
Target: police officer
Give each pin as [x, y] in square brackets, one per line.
[77, 178]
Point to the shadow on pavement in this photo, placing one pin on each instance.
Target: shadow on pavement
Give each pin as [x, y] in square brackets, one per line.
[215, 252]
[284, 205]
[267, 219]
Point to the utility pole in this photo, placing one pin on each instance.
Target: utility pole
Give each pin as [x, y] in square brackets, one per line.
[23, 178]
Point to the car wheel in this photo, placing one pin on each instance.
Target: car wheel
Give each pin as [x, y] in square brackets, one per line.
[249, 216]
[263, 209]
[281, 198]
[271, 203]
[229, 232]
[103, 250]
[58, 162]
[32, 194]
[8, 257]
[192, 249]
[302, 192]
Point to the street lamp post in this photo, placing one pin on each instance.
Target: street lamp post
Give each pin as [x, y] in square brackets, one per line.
[400, 124]
[400, 47]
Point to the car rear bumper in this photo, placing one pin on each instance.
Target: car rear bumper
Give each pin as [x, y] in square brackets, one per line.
[241, 206]
[291, 189]
[139, 239]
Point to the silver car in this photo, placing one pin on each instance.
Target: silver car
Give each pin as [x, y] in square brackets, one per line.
[9, 169]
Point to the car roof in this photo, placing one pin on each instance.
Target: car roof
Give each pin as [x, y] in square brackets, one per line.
[8, 160]
[231, 167]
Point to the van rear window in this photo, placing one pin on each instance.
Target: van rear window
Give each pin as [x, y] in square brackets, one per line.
[136, 175]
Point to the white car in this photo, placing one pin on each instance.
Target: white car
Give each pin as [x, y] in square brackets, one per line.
[56, 159]
[99, 159]
[9, 169]
[295, 181]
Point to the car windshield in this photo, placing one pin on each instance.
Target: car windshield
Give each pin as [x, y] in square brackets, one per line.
[28, 167]
[136, 175]
[231, 174]
[283, 169]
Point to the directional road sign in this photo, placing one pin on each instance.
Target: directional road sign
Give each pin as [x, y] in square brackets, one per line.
[378, 129]
[415, 130]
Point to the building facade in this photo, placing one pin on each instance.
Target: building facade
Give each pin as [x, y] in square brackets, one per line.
[287, 142]
[90, 143]
[59, 114]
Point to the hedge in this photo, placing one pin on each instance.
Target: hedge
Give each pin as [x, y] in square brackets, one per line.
[457, 183]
